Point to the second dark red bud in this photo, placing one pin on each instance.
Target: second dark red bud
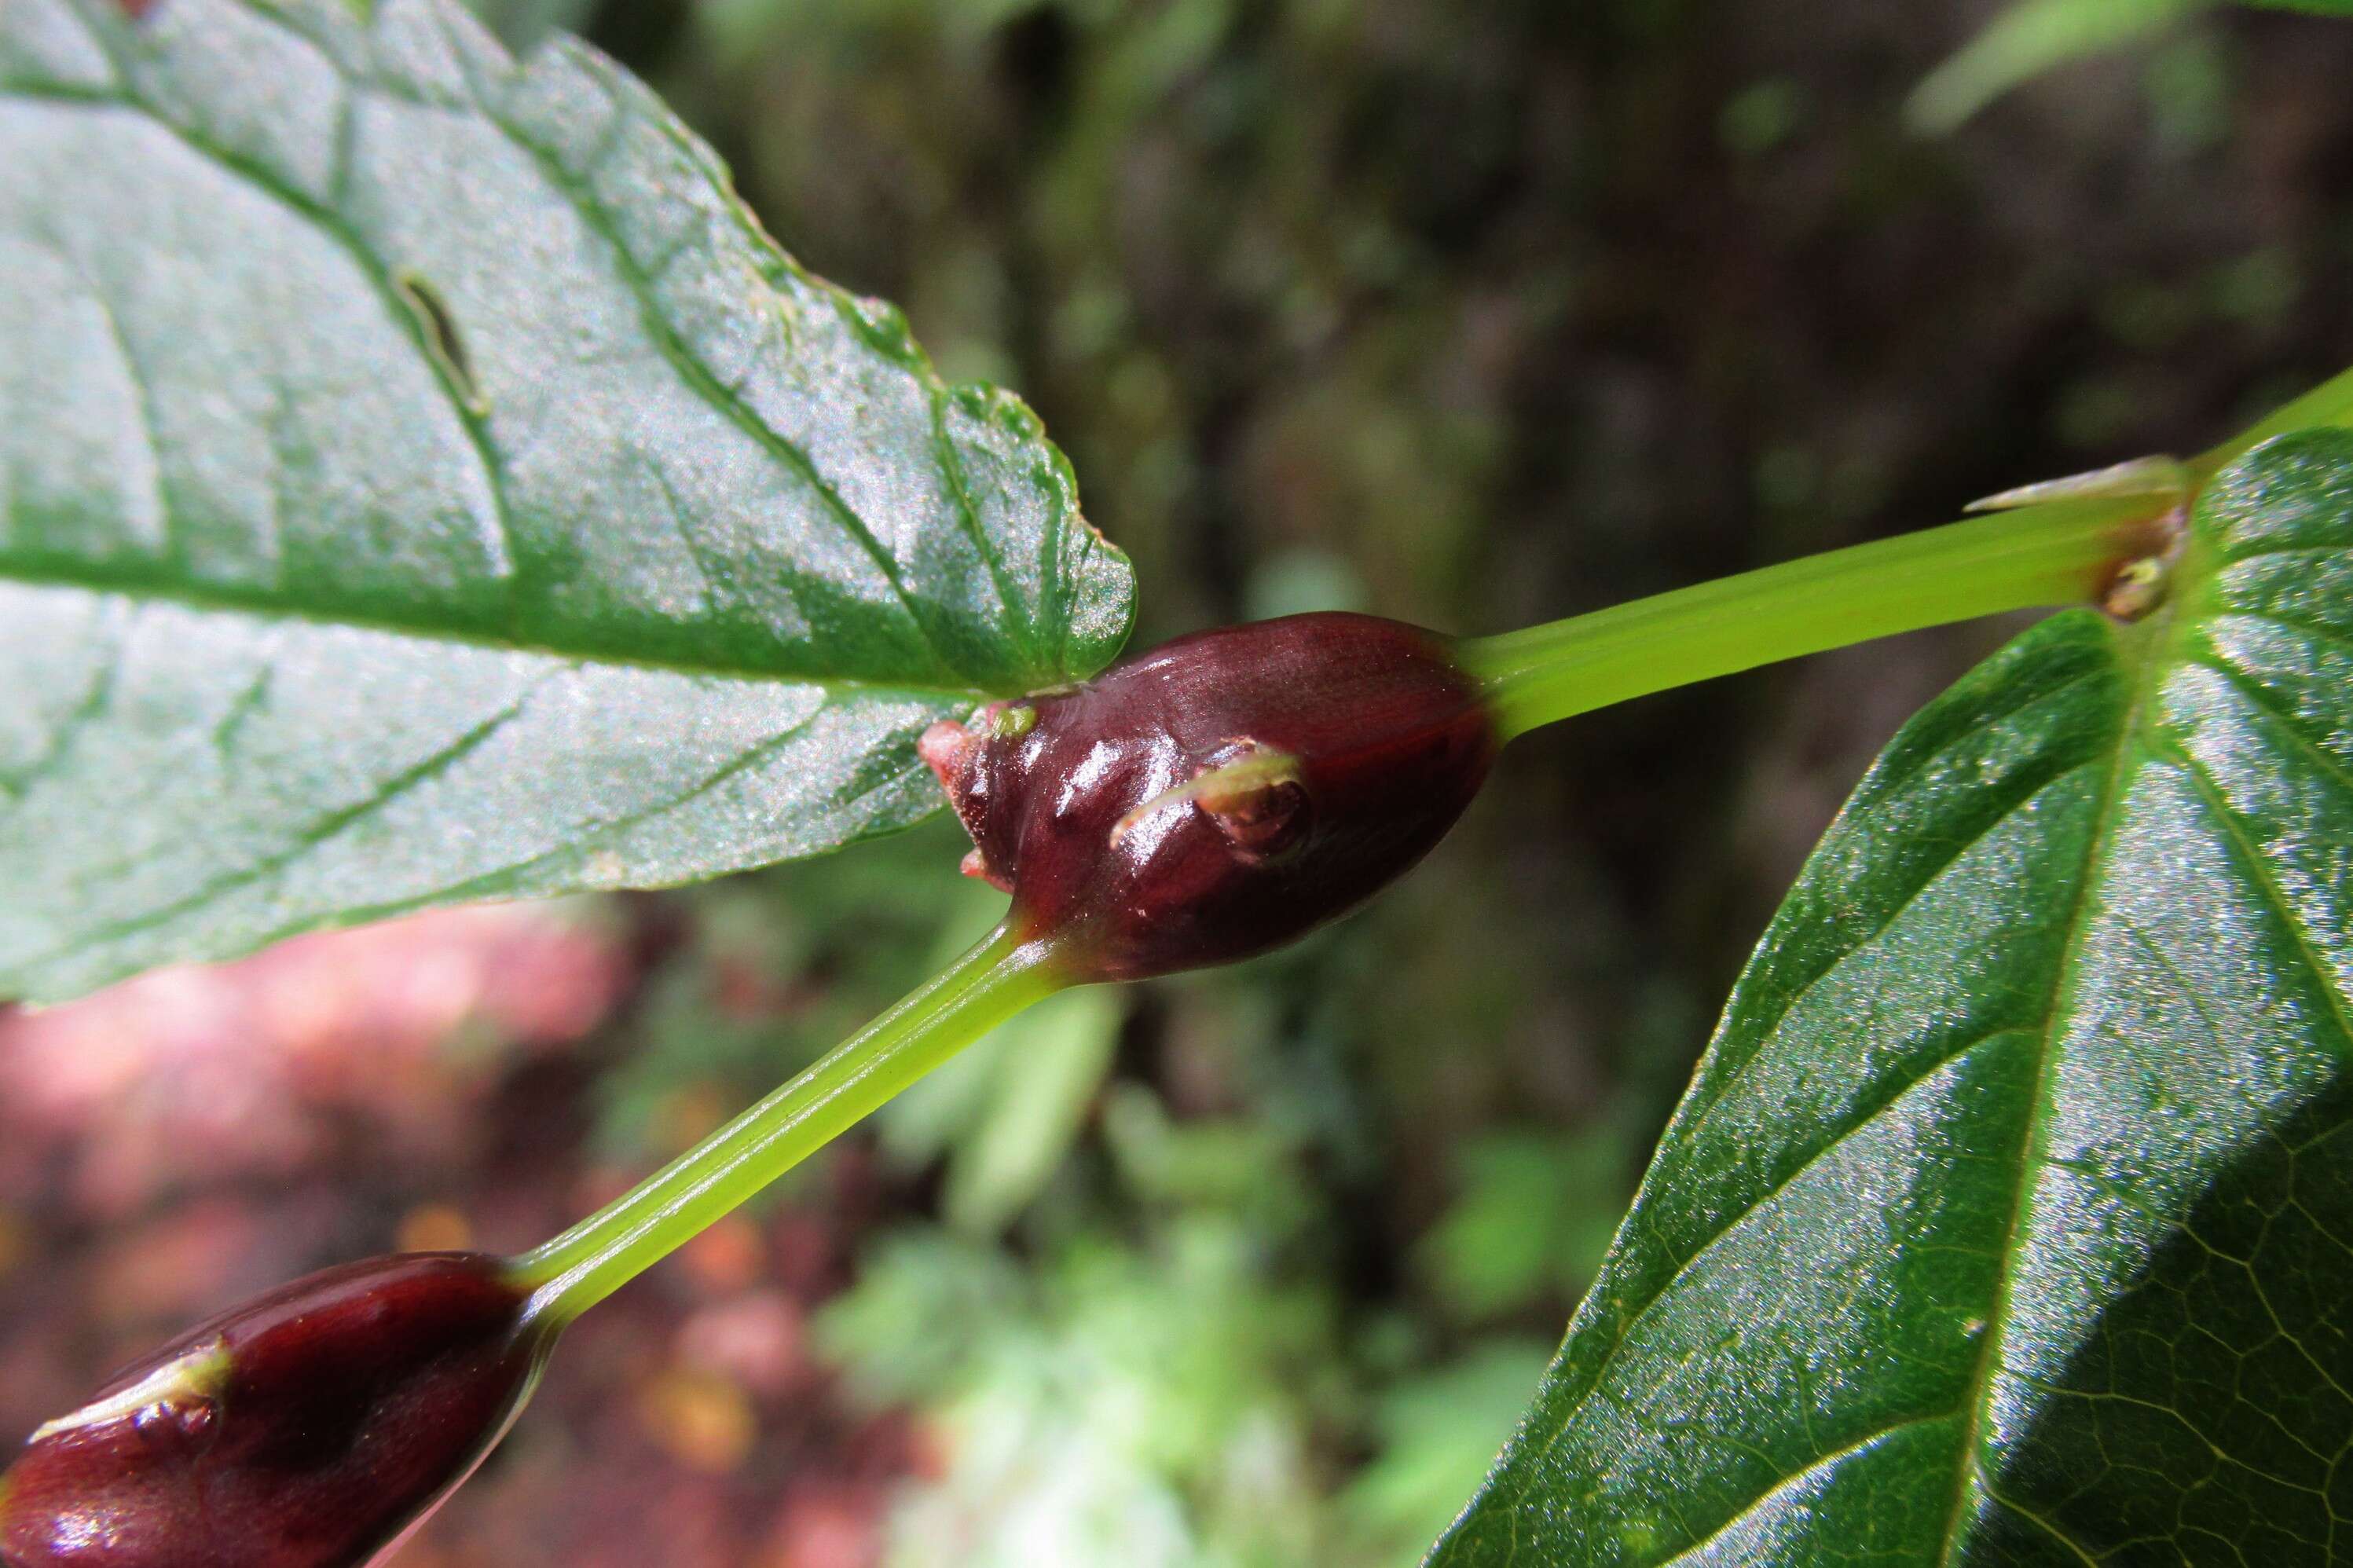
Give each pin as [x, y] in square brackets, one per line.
[1221, 795]
[310, 1428]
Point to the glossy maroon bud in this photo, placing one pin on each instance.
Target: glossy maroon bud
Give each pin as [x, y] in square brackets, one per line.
[310, 1428]
[1221, 794]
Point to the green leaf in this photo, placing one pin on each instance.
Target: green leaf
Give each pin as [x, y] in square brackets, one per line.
[2032, 37]
[421, 479]
[2008, 1219]
[2026, 39]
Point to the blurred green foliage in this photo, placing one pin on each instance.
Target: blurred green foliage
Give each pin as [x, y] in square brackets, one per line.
[2036, 36]
[1111, 1403]
[2033, 37]
[1532, 1220]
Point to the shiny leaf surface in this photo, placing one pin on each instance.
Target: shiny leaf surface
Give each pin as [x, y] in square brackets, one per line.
[2008, 1219]
[421, 479]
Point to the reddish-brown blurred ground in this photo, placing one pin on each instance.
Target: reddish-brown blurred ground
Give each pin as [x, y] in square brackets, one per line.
[175, 1142]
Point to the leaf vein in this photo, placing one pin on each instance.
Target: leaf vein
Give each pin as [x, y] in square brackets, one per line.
[2034, 785]
[2032, 1518]
[1854, 1126]
[2266, 887]
[511, 566]
[86, 711]
[1821, 1462]
[698, 375]
[308, 840]
[2281, 721]
[2316, 631]
[959, 484]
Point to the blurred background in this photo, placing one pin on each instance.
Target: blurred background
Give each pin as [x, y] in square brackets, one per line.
[1474, 313]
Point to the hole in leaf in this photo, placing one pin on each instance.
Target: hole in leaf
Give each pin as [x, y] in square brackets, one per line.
[442, 341]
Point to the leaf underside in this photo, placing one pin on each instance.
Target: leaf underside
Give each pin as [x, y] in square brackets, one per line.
[2008, 1219]
[421, 479]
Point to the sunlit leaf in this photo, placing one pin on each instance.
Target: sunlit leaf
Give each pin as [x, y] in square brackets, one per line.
[2006, 1219]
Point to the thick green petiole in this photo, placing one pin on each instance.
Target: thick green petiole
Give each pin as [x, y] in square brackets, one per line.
[2059, 553]
[988, 984]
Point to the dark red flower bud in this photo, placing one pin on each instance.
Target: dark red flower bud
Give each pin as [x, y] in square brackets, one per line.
[1221, 795]
[310, 1428]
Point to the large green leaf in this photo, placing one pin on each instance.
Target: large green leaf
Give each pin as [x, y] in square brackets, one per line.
[420, 480]
[2010, 1218]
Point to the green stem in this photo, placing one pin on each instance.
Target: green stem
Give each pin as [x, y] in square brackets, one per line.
[988, 984]
[2059, 553]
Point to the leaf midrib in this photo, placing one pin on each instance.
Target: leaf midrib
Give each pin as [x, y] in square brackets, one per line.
[1861, 1121]
[2141, 655]
[228, 602]
[2030, 1152]
[2142, 652]
[2148, 653]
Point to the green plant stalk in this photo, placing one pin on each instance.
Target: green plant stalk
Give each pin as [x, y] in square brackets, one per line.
[2059, 552]
[996, 979]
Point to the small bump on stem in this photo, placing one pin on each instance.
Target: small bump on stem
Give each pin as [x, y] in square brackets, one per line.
[1243, 788]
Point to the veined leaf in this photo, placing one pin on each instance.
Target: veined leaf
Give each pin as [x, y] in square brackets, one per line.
[2008, 1219]
[421, 479]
